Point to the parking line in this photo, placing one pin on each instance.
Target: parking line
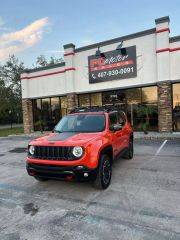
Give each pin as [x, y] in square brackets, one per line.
[160, 148]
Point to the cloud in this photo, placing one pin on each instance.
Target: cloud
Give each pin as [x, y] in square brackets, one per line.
[18, 41]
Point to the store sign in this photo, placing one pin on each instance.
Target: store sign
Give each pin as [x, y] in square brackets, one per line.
[117, 64]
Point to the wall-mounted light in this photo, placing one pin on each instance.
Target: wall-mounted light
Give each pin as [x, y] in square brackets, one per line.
[98, 53]
[119, 46]
[121, 49]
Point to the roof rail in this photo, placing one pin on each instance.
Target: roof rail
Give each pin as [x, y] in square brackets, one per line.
[107, 108]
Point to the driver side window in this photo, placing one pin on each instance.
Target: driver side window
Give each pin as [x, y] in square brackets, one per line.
[113, 119]
[121, 118]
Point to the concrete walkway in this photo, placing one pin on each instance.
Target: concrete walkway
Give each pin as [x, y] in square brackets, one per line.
[137, 135]
[14, 125]
[157, 135]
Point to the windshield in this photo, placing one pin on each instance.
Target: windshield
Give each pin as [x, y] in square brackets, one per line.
[81, 123]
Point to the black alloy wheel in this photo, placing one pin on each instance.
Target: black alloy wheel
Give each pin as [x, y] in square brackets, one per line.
[104, 172]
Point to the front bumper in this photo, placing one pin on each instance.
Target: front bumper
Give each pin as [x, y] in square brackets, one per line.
[60, 172]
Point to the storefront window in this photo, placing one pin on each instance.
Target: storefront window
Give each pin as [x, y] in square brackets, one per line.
[55, 109]
[63, 106]
[37, 114]
[84, 100]
[114, 97]
[146, 117]
[176, 107]
[148, 111]
[96, 99]
[46, 114]
[133, 96]
[149, 94]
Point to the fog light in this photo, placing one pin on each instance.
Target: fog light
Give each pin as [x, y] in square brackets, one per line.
[79, 167]
[86, 174]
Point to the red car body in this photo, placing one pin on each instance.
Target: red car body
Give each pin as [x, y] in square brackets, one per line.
[94, 144]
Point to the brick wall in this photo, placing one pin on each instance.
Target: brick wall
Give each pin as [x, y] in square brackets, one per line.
[27, 115]
[165, 106]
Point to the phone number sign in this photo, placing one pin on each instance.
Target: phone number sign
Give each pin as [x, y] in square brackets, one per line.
[112, 65]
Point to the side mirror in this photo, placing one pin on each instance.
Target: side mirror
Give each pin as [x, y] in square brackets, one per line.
[116, 127]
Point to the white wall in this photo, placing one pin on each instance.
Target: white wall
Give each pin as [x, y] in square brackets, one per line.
[44, 86]
[175, 61]
[151, 68]
[146, 65]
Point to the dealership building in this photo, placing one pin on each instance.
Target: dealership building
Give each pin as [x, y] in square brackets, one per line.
[138, 73]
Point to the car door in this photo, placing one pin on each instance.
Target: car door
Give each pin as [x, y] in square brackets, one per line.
[123, 133]
[116, 135]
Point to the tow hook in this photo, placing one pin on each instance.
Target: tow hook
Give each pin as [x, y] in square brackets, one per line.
[70, 178]
[31, 173]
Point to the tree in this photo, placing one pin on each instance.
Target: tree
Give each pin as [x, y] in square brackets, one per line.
[10, 74]
[41, 61]
[10, 89]
[10, 86]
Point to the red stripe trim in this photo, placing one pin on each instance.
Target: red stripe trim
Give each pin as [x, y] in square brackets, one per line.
[174, 49]
[167, 50]
[68, 54]
[163, 30]
[48, 74]
[163, 50]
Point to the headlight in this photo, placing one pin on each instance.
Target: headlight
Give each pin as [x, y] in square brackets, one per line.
[31, 150]
[77, 151]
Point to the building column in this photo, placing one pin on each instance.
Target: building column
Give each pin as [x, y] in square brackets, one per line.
[72, 101]
[165, 106]
[27, 115]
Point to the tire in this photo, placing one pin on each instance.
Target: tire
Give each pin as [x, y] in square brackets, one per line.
[104, 172]
[40, 179]
[130, 151]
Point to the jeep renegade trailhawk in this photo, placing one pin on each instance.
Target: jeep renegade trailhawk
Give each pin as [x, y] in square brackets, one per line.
[82, 146]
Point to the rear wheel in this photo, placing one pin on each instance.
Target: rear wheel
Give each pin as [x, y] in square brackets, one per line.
[104, 171]
[40, 179]
[130, 151]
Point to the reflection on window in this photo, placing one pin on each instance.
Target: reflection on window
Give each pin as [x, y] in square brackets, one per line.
[133, 96]
[46, 114]
[114, 97]
[96, 99]
[55, 109]
[37, 114]
[176, 107]
[63, 106]
[149, 94]
[84, 100]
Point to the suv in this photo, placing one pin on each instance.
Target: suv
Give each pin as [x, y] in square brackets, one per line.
[82, 146]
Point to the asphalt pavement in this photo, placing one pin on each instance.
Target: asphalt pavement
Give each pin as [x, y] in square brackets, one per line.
[142, 202]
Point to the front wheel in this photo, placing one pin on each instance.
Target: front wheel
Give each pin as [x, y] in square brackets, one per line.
[104, 172]
[130, 150]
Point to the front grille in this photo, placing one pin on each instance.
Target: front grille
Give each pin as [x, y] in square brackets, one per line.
[53, 153]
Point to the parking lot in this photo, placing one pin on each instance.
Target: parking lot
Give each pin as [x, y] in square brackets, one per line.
[142, 202]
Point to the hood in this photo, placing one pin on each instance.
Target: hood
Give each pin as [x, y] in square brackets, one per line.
[66, 138]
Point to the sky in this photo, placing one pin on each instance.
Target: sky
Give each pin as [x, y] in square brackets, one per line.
[29, 28]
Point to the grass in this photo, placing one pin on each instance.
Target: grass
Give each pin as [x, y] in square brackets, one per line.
[8, 131]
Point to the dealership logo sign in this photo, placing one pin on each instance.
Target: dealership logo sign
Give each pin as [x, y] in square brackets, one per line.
[113, 65]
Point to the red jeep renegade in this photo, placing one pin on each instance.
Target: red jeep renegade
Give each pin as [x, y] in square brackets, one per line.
[82, 146]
